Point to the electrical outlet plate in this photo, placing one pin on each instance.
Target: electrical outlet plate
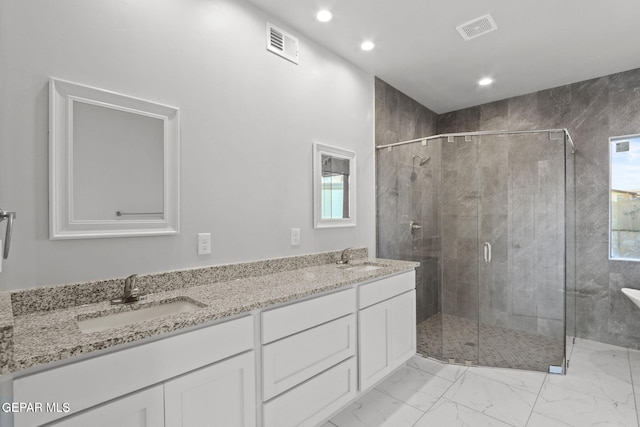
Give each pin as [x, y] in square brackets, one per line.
[295, 236]
[204, 243]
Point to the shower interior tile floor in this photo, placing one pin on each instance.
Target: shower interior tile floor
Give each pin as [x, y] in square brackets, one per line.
[601, 388]
[487, 345]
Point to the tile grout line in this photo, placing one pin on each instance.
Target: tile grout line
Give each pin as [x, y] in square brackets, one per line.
[633, 388]
[457, 403]
[439, 398]
[533, 407]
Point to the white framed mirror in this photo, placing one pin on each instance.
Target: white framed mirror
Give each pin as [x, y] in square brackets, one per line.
[114, 164]
[334, 186]
[624, 198]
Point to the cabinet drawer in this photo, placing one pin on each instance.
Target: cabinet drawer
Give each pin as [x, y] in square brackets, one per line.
[380, 290]
[141, 409]
[292, 360]
[116, 374]
[288, 320]
[313, 401]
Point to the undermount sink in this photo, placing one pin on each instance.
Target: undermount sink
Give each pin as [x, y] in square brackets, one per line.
[120, 318]
[633, 295]
[362, 267]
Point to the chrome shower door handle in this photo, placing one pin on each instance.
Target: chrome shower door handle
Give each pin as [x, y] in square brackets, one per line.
[9, 216]
[487, 252]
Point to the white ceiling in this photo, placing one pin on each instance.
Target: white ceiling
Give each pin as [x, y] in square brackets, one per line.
[539, 44]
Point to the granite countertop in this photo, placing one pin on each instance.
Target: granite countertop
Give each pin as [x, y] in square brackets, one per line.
[42, 337]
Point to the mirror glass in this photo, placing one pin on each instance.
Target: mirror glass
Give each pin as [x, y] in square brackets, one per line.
[334, 186]
[114, 164]
[104, 137]
[624, 198]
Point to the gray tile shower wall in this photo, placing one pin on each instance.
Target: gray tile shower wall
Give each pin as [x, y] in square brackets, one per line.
[399, 117]
[592, 111]
[410, 188]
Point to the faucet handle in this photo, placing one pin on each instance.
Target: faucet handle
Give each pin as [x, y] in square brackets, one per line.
[345, 257]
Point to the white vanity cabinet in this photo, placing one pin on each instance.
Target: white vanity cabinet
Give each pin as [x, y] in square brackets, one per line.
[308, 356]
[141, 409]
[387, 326]
[92, 384]
[292, 365]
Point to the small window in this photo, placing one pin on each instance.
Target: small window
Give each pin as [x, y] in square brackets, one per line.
[624, 198]
[334, 186]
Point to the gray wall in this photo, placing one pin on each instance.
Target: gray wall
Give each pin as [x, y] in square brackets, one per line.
[248, 121]
[592, 111]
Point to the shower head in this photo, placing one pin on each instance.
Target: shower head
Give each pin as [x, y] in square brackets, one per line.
[422, 160]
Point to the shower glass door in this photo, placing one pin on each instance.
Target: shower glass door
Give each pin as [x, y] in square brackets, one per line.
[521, 205]
[503, 264]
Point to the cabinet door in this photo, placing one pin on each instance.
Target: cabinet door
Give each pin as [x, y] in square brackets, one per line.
[387, 337]
[402, 329]
[222, 394]
[141, 409]
[374, 338]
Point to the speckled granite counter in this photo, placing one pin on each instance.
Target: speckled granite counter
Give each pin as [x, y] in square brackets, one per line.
[39, 333]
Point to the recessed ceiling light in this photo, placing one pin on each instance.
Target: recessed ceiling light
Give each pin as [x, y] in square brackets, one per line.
[368, 45]
[324, 15]
[485, 81]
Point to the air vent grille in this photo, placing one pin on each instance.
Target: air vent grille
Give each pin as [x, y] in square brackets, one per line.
[477, 27]
[276, 39]
[282, 43]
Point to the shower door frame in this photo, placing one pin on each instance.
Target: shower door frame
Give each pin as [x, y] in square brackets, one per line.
[568, 146]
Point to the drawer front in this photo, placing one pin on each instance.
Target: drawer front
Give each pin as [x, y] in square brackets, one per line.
[116, 374]
[380, 290]
[313, 401]
[142, 409]
[295, 359]
[288, 320]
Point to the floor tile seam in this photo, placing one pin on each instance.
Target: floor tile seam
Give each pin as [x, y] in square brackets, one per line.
[533, 407]
[443, 398]
[511, 386]
[424, 411]
[462, 371]
[547, 415]
[594, 399]
[585, 389]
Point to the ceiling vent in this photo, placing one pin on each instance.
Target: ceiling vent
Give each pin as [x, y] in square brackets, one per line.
[477, 27]
[282, 43]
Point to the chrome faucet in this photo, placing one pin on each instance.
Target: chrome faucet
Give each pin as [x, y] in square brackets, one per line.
[345, 257]
[130, 293]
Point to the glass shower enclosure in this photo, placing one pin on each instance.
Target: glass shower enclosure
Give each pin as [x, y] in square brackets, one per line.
[489, 216]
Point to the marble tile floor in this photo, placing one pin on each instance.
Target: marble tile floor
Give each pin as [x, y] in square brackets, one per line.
[602, 388]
